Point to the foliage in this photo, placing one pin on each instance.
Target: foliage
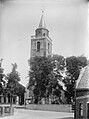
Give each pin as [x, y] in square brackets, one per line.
[2, 79]
[41, 67]
[13, 81]
[73, 67]
[44, 75]
[47, 73]
[9, 85]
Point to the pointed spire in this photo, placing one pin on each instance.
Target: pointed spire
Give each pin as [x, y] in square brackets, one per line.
[42, 21]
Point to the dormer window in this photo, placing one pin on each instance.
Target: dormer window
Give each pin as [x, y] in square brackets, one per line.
[38, 46]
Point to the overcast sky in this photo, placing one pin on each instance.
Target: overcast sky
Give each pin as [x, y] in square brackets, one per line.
[66, 20]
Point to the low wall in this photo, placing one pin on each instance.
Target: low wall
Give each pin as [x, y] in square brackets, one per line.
[59, 108]
[6, 110]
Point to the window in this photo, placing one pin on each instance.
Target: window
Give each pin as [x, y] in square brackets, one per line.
[43, 34]
[39, 32]
[81, 109]
[38, 46]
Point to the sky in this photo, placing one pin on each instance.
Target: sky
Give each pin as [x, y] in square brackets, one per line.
[66, 20]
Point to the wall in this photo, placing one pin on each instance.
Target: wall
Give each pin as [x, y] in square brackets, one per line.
[59, 108]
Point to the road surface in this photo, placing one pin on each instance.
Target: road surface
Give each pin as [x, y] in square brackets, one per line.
[37, 114]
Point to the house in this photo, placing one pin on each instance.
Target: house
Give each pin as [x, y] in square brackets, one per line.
[82, 95]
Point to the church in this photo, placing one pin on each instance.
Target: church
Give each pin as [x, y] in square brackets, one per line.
[41, 46]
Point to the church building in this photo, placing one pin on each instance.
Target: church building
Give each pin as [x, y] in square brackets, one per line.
[41, 46]
[41, 43]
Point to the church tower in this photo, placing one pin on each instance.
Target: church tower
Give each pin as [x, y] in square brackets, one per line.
[41, 43]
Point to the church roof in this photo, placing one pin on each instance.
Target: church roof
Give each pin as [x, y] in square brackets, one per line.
[42, 21]
[83, 80]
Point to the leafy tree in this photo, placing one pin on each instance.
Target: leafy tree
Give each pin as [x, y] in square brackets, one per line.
[13, 82]
[2, 81]
[73, 67]
[41, 67]
[58, 71]
[44, 75]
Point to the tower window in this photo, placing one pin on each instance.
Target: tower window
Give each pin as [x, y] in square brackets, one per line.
[38, 46]
[39, 32]
[43, 34]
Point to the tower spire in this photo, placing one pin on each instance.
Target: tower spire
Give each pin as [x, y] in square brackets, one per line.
[42, 21]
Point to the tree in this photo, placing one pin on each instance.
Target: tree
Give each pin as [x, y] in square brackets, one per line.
[2, 79]
[41, 67]
[13, 79]
[58, 71]
[73, 68]
[44, 75]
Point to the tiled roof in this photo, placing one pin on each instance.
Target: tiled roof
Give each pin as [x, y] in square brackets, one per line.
[83, 80]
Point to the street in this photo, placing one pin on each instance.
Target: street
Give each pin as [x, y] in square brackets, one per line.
[37, 114]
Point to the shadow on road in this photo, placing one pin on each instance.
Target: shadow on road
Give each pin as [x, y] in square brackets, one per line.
[66, 118]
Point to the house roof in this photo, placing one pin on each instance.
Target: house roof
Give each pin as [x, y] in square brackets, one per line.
[83, 80]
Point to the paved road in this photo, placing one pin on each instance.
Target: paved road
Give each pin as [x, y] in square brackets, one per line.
[37, 114]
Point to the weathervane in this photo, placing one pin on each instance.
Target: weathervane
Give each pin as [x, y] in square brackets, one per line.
[43, 9]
